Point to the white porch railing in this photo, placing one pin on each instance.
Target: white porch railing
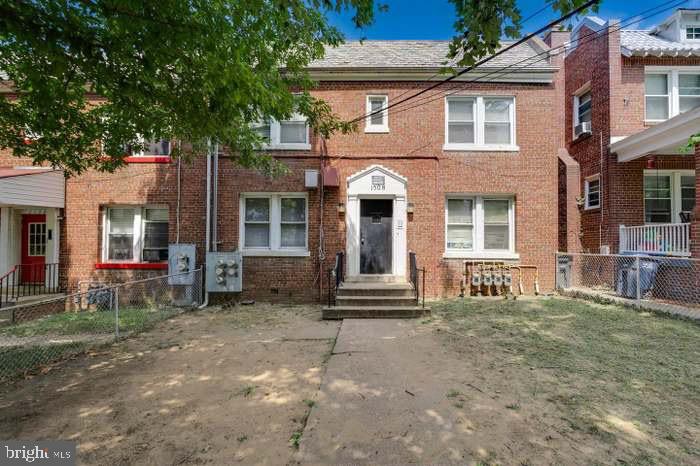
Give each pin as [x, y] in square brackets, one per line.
[671, 239]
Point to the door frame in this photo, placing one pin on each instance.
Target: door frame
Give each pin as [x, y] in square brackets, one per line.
[359, 223]
[359, 186]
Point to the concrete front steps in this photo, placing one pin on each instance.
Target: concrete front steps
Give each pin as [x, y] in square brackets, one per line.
[379, 297]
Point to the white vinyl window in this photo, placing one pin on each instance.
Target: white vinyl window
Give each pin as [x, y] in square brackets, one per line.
[377, 122]
[479, 226]
[291, 134]
[274, 224]
[135, 234]
[669, 196]
[151, 148]
[592, 192]
[480, 123]
[582, 108]
[670, 92]
[692, 32]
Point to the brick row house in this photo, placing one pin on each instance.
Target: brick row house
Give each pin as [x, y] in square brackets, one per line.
[479, 169]
[633, 102]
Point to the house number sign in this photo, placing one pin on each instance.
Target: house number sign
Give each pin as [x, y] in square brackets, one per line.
[378, 183]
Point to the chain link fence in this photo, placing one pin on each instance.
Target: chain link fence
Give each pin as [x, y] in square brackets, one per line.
[39, 333]
[640, 279]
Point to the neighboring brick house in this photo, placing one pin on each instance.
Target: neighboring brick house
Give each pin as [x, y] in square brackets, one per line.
[470, 172]
[632, 101]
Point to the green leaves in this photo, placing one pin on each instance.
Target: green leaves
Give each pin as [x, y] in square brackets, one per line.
[482, 23]
[92, 76]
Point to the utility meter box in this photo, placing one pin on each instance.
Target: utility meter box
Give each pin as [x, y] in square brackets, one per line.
[224, 272]
[181, 264]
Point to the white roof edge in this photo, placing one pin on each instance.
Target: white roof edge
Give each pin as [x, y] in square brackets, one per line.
[594, 23]
[670, 132]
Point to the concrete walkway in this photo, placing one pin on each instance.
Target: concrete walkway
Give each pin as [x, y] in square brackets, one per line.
[387, 397]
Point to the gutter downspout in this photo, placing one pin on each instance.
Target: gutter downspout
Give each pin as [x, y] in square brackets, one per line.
[207, 233]
[215, 200]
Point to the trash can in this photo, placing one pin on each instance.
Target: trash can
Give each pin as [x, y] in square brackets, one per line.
[627, 277]
[564, 264]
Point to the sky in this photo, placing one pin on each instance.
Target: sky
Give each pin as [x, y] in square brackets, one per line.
[434, 19]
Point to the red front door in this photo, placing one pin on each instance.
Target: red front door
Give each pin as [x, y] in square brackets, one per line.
[33, 248]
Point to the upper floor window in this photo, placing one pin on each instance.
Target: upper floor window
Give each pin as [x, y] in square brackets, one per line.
[286, 134]
[692, 33]
[670, 92]
[274, 224]
[480, 123]
[376, 107]
[135, 234]
[582, 112]
[592, 192]
[150, 148]
[479, 226]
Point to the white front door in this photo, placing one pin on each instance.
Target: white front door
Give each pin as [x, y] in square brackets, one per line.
[376, 222]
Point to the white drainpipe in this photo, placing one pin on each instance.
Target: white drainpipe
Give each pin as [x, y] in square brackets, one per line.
[208, 225]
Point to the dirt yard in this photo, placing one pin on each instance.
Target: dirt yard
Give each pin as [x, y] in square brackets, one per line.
[481, 382]
[206, 387]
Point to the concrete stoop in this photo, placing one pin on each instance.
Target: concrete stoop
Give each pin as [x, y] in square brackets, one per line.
[375, 297]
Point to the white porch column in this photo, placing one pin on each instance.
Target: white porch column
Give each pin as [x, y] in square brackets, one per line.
[353, 239]
[6, 219]
[400, 253]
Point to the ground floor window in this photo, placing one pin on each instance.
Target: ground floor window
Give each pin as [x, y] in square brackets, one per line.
[479, 224]
[669, 196]
[274, 223]
[135, 234]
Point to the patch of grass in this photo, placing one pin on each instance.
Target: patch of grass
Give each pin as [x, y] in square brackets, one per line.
[453, 393]
[242, 438]
[74, 323]
[309, 403]
[604, 365]
[458, 405]
[513, 406]
[295, 439]
[246, 391]
[15, 360]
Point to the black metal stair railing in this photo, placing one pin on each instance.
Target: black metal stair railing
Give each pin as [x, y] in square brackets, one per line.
[336, 275]
[28, 280]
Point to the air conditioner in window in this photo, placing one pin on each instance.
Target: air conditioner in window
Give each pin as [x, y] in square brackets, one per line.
[582, 128]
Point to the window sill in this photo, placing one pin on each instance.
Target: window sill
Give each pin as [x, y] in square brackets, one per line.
[275, 253]
[147, 159]
[480, 148]
[287, 147]
[132, 265]
[590, 209]
[481, 255]
[376, 129]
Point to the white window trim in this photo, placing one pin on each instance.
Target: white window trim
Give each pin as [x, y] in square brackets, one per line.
[586, 191]
[274, 250]
[673, 87]
[141, 153]
[384, 127]
[675, 191]
[275, 132]
[479, 117]
[577, 95]
[685, 31]
[138, 229]
[478, 251]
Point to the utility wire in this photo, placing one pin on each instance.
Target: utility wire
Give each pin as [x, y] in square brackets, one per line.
[545, 56]
[481, 62]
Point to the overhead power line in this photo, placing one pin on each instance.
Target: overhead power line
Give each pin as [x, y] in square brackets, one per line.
[515, 44]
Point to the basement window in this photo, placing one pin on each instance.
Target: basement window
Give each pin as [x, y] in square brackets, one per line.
[135, 234]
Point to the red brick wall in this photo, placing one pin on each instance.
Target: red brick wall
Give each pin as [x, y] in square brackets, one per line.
[413, 148]
[617, 85]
